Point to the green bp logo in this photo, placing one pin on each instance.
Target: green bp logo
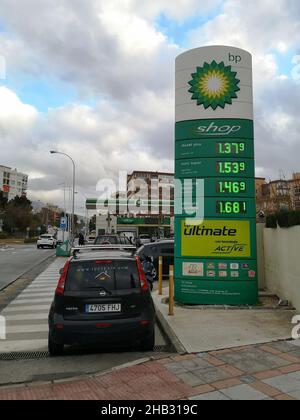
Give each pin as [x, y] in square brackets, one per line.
[214, 85]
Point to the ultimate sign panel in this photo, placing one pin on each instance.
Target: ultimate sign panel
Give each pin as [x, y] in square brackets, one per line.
[215, 256]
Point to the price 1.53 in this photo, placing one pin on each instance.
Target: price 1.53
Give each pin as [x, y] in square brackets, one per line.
[231, 168]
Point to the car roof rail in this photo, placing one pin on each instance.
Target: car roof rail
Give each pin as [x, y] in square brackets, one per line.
[120, 247]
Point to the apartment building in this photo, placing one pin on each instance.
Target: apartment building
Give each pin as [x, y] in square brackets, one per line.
[12, 182]
[279, 194]
[155, 189]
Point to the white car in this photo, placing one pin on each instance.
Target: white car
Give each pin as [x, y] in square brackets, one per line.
[46, 241]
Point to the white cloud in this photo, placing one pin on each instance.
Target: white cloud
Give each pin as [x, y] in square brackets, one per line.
[113, 52]
[13, 110]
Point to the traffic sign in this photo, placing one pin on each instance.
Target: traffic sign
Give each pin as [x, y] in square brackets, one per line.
[63, 223]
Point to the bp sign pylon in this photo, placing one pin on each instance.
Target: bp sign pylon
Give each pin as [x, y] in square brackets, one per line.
[215, 255]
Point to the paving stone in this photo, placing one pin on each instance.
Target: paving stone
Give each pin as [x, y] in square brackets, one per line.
[248, 379]
[284, 397]
[196, 363]
[176, 368]
[290, 368]
[211, 396]
[295, 394]
[253, 360]
[191, 379]
[211, 375]
[294, 376]
[244, 393]
[228, 383]
[283, 346]
[201, 355]
[285, 383]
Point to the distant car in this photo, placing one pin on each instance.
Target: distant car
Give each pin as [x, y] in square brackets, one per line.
[112, 239]
[144, 239]
[164, 248]
[102, 297]
[46, 241]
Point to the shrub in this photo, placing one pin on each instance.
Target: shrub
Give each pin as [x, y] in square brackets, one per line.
[284, 219]
[30, 240]
[271, 221]
[4, 235]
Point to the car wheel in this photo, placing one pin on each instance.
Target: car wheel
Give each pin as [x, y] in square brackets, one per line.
[54, 348]
[148, 343]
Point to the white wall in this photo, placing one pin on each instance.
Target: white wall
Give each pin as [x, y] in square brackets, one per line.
[282, 263]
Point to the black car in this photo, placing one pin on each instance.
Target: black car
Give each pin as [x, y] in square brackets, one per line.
[102, 298]
[163, 248]
[112, 239]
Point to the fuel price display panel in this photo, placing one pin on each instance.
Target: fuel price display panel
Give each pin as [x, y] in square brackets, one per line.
[215, 255]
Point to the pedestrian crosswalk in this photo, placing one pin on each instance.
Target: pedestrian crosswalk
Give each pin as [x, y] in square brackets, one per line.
[26, 316]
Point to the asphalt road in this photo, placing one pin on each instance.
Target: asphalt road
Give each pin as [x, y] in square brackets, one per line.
[26, 313]
[16, 260]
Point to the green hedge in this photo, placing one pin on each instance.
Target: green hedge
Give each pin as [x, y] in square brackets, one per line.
[30, 240]
[4, 235]
[284, 219]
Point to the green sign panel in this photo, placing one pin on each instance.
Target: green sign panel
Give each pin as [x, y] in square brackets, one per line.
[216, 207]
[215, 220]
[224, 148]
[214, 128]
[219, 187]
[214, 167]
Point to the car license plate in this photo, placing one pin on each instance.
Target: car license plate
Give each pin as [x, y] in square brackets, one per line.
[104, 308]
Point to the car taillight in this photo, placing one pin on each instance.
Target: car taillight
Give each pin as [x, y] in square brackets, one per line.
[62, 280]
[142, 276]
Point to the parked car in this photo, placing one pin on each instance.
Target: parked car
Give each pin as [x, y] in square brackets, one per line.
[102, 297]
[91, 238]
[164, 248]
[144, 239]
[112, 239]
[46, 241]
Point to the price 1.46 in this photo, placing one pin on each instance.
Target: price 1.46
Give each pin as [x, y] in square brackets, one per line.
[231, 187]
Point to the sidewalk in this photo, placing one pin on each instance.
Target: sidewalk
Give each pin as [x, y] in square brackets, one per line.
[248, 373]
[195, 329]
[222, 358]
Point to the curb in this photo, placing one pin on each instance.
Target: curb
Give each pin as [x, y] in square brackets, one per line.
[167, 330]
[82, 377]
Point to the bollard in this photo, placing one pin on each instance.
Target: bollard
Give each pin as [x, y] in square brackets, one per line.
[160, 276]
[171, 291]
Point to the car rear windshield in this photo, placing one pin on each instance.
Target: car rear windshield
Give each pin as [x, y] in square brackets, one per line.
[107, 240]
[46, 237]
[107, 275]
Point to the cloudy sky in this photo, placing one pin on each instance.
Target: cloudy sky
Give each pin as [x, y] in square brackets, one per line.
[95, 79]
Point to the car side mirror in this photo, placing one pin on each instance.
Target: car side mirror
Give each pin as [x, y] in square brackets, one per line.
[61, 271]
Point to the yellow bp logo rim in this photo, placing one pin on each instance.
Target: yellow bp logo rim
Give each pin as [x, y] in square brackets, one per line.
[214, 85]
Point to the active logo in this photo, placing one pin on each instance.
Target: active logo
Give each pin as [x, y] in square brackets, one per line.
[214, 85]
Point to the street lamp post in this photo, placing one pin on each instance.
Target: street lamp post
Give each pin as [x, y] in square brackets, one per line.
[53, 152]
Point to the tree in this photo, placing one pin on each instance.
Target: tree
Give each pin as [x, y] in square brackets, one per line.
[3, 201]
[18, 215]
